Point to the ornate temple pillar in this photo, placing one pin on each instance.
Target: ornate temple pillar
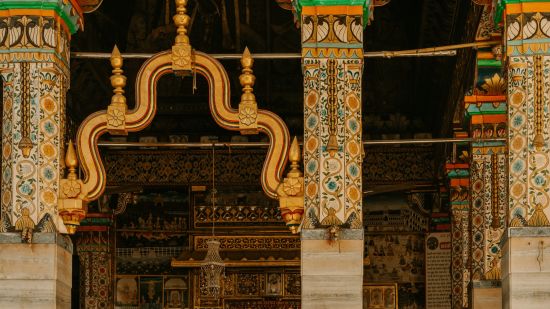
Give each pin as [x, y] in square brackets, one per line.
[34, 65]
[525, 268]
[332, 228]
[458, 174]
[95, 252]
[487, 114]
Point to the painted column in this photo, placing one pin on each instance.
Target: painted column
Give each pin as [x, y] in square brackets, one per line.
[525, 271]
[487, 114]
[34, 65]
[95, 254]
[332, 228]
[459, 181]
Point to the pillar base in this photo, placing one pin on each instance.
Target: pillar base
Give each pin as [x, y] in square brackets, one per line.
[37, 275]
[486, 294]
[332, 272]
[526, 268]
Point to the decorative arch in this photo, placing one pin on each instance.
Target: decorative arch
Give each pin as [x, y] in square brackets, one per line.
[118, 120]
[143, 113]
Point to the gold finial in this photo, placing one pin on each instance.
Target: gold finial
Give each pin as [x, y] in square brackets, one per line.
[118, 81]
[116, 111]
[71, 161]
[181, 50]
[181, 20]
[247, 79]
[294, 156]
[248, 108]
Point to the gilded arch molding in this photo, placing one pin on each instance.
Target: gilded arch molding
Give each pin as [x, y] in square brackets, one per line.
[141, 116]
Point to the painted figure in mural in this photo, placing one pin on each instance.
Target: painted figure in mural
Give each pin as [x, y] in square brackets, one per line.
[376, 297]
[175, 299]
[274, 284]
[389, 298]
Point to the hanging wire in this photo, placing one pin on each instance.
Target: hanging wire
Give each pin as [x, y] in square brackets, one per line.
[213, 198]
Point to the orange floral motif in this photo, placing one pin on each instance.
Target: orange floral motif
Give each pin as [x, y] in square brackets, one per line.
[48, 104]
[49, 197]
[48, 150]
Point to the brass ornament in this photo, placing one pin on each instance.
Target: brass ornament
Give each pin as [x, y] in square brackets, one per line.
[494, 85]
[248, 108]
[26, 225]
[71, 205]
[332, 106]
[539, 109]
[116, 111]
[25, 144]
[181, 50]
[291, 191]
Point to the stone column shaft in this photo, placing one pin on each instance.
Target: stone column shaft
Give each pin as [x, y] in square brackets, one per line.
[332, 228]
[525, 277]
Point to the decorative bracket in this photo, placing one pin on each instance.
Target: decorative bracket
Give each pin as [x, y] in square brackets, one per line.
[116, 111]
[291, 191]
[72, 193]
[248, 108]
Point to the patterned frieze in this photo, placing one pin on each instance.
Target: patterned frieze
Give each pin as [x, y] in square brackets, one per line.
[249, 243]
[38, 31]
[381, 165]
[231, 216]
[526, 26]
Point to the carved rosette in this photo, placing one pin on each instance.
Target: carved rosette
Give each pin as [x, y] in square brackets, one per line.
[181, 50]
[291, 191]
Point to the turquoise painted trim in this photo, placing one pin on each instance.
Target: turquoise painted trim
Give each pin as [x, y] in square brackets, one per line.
[460, 173]
[489, 144]
[298, 4]
[489, 63]
[527, 41]
[487, 109]
[63, 10]
[36, 50]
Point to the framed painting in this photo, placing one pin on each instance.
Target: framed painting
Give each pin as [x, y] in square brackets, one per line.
[274, 284]
[380, 296]
[175, 292]
[127, 292]
[151, 292]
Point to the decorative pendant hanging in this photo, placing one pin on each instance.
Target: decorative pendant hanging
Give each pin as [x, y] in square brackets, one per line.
[212, 269]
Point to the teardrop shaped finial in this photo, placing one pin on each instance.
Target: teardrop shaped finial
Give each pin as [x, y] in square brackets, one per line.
[71, 161]
[294, 156]
[118, 81]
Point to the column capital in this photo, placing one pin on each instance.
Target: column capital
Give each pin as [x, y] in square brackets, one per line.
[68, 11]
[526, 29]
[299, 6]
